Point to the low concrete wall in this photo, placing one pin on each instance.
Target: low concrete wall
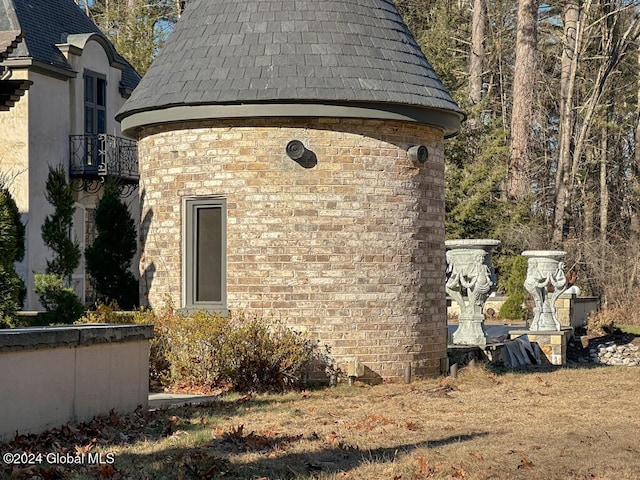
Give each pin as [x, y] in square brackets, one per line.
[573, 311]
[493, 302]
[53, 375]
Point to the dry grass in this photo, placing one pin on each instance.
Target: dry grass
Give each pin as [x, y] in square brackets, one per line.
[563, 424]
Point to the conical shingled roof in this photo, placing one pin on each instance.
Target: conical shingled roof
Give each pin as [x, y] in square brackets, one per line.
[235, 58]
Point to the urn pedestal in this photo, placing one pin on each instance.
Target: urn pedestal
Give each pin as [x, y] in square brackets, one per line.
[545, 282]
[470, 280]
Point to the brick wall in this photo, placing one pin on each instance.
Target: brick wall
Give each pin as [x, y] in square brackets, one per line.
[351, 250]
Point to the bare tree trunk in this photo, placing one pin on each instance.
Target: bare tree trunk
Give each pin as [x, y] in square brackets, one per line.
[588, 197]
[522, 110]
[571, 44]
[635, 169]
[604, 188]
[476, 63]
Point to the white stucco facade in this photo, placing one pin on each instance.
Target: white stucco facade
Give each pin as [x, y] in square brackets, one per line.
[35, 134]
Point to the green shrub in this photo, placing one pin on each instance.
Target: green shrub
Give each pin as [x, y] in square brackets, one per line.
[513, 308]
[12, 240]
[10, 287]
[60, 302]
[56, 227]
[109, 256]
[202, 349]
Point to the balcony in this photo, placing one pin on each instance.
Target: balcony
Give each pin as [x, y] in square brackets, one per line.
[96, 157]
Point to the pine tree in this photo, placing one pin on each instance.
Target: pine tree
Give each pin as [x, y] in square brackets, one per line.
[12, 240]
[56, 227]
[109, 257]
[52, 287]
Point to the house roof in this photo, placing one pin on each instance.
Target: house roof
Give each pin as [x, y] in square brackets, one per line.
[235, 58]
[46, 24]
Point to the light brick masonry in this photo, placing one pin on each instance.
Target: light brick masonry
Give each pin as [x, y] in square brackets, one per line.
[351, 250]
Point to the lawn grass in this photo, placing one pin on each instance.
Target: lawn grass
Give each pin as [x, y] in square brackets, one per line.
[568, 423]
[630, 329]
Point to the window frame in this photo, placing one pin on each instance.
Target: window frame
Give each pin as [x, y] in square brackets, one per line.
[93, 77]
[190, 207]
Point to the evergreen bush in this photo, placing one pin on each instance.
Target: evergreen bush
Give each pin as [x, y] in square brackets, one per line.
[52, 287]
[56, 227]
[513, 308]
[12, 240]
[60, 302]
[109, 257]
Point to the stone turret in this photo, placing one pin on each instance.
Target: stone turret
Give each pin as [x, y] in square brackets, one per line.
[291, 163]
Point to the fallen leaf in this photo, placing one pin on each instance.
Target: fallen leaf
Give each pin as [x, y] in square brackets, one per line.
[412, 426]
[525, 463]
[458, 472]
[106, 471]
[84, 450]
[375, 418]
[114, 418]
[425, 470]
[332, 439]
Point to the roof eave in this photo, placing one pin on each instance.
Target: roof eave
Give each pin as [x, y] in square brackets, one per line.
[132, 122]
[39, 67]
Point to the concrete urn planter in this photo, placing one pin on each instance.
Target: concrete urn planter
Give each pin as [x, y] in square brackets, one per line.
[470, 280]
[545, 282]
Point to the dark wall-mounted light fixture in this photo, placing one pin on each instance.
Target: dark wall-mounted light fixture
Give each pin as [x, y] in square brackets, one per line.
[297, 152]
[418, 153]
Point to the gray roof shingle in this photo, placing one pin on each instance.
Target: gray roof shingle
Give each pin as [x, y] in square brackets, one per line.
[46, 23]
[290, 51]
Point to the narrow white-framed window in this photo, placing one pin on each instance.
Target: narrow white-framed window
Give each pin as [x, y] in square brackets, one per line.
[204, 259]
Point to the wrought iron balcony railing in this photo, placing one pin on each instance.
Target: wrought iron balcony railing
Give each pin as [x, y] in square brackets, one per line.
[100, 156]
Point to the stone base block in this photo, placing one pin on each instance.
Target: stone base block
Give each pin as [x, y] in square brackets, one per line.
[553, 344]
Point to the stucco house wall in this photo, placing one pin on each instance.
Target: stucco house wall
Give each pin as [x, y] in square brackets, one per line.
[35, 132]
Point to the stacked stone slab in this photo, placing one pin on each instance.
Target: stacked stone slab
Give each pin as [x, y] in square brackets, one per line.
[349, 248]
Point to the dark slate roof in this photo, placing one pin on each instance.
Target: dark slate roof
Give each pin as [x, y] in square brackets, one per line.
[46, 23]
[290, 51]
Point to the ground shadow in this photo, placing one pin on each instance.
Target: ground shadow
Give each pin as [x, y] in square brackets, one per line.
[213, 458]
[148, 270]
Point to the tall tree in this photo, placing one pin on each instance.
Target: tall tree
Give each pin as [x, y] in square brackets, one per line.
[476, 62]
[569, 61]
[518, 184]
[137, 28]
[109, 256]
[12, 240]
[618, 27]
[57, 226]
